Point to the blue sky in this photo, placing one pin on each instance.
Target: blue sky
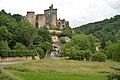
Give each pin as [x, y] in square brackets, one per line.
[78, 12]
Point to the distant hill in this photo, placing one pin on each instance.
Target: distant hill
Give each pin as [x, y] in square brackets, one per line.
[108, 29]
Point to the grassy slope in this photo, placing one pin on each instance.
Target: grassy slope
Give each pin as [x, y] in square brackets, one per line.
[62, 70]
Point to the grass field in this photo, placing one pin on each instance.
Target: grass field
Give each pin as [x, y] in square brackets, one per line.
[61, 70]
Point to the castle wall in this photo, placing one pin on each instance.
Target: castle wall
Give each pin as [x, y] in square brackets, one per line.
[31, 17]
[62, 23]
[48, 19]
[41, 20]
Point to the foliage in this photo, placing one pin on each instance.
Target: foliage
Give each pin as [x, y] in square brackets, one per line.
[26, 33]
[75, 54]
[17, 53]
[8, 21]
[19, 46]
[104, 30]
[44, 33]
[4, 45]
[113, 51]
[99, 56]
[114, 76]
[4, 33]
[63, 41]
[81, 41]
[85, 42]
[43, 49]
[41, 53]
[67, 32]
[17, 17]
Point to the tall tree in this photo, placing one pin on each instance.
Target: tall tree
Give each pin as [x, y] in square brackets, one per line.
[26, 33]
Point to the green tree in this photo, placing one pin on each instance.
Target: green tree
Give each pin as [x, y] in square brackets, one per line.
[4, 33]
[26, 33]
[19, 46]
[63, 41]
[46, 47]
[113, 51]
[40, 52]
[8, 21]
[99, 56]
[87, 54]
[67, 32]
[44, 33]
[92, 39]
[81, 41]
[17, 17]
[4, 45]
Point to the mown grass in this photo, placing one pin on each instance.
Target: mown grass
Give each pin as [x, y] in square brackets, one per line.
[53, 69]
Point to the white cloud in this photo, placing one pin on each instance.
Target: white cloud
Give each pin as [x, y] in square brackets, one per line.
[78, 12]
[113, 3]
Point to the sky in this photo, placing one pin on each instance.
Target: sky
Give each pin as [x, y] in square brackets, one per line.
[77, 12]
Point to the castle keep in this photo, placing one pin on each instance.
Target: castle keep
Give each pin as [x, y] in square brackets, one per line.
[48, 19]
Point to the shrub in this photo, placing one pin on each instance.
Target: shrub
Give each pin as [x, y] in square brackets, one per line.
[4, 45]
[113, 51]
[87, 54]
[63, 41]
[99, 56]
[19, 46]
[40, 52]
[17, 53]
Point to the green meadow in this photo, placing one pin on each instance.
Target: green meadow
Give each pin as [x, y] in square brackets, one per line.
[58, 69]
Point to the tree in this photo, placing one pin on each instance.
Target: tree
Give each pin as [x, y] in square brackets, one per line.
[99, 56]
[17, 17]
[81, 41]
[26, 33]
[46, 47]
[19, 46]
[38, 40]
[44, 33]
[4, 34]
[63, 41]
[87, 54]
[108, 29]
[4, 45]
[113, 51]
[92, 39]
[8, 21]
[67, 32]
[40, 52]
[117, 36]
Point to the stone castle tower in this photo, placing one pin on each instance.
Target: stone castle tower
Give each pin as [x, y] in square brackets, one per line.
[48, 19]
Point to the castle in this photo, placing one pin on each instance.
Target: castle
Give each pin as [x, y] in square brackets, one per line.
[48, 19]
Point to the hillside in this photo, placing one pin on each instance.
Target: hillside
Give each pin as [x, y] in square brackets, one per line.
[108, 29]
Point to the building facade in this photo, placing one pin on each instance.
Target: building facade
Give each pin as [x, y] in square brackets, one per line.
[48, 19]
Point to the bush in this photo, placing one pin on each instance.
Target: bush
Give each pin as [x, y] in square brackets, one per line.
[17, 53]
[114, 76]
[63, 41]
[19, 46]
[87, 54]
[113, 51]
[40, 52]
[99, 56]
[4, 45]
